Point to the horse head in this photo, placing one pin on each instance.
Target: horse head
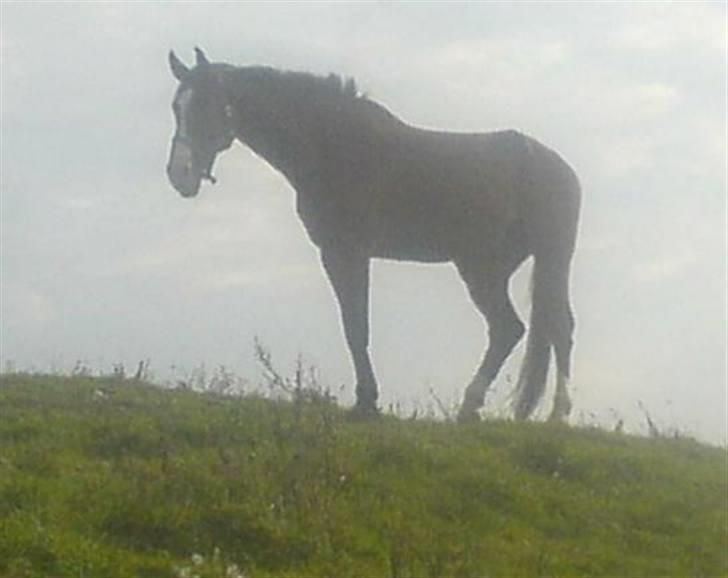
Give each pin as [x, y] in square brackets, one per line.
[204, 123]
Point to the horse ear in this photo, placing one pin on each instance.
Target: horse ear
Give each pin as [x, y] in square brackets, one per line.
[179, 70]
[201, 58]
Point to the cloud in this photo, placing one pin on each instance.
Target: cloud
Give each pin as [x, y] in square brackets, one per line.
[31, 307]
[664, 269]
[265, 277]
[668, 28]
[498, 54]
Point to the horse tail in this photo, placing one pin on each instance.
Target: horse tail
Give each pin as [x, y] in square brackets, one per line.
[552, 321]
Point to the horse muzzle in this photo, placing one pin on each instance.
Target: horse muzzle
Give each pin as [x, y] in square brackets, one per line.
[185, 182]
[182, 170]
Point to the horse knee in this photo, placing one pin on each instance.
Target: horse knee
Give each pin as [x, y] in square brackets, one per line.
[518, 331]
[506, 334]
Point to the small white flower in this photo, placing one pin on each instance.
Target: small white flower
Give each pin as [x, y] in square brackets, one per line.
[197, 560]
[233, 571]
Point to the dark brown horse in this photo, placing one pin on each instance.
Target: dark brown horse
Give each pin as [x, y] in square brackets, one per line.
[370, 186]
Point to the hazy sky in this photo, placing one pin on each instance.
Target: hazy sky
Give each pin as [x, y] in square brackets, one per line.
[103, 261]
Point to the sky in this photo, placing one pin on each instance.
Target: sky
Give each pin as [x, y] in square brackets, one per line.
[102, 261]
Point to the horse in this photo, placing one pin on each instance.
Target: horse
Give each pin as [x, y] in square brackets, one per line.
[370, 186]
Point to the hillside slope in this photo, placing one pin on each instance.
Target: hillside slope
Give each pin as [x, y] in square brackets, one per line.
[108, 478]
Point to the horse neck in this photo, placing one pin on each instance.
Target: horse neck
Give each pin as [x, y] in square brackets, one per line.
[300, 137]
[295, 153]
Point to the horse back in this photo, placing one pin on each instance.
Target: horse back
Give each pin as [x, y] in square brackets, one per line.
[422, 195]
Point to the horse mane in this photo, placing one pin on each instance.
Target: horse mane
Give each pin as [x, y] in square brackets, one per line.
[332, 91]
[330, 86]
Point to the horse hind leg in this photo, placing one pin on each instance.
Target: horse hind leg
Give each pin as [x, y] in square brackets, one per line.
[563, 343]
[505, 330]
[562, 401]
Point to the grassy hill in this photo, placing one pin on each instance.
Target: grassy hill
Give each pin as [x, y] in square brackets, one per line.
[102, 477]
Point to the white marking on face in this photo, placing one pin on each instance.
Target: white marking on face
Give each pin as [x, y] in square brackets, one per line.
[183, 102]
[181, 162]
[181, 157]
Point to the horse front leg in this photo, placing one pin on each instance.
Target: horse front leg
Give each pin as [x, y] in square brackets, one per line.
[348, 272]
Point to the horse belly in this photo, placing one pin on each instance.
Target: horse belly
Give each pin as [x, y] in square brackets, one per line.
[410, 249]
[446, 201]
[431, 235]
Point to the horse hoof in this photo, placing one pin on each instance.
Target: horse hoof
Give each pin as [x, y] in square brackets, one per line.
[363, 412]
[559, 417]
[561, 411]
[468, 416]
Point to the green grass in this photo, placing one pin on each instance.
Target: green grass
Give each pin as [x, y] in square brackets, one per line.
[102, 478]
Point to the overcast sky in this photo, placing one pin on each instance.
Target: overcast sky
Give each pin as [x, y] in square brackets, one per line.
[103, 261]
